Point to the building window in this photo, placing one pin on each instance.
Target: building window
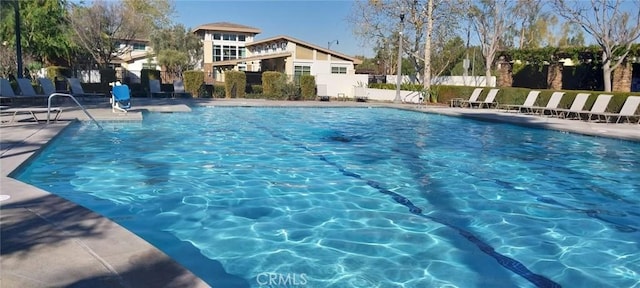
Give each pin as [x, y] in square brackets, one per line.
[228, 52]
[299, 71]
[217, 53]
[338, 70]
[139, 46]
[217, 36]
[242, 38]
[229, 37]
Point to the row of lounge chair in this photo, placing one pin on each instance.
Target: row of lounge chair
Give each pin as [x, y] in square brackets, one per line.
[28, 92]
[576, 111]
[120, 97]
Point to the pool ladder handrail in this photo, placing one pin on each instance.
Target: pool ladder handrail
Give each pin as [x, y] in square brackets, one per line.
[74, 100]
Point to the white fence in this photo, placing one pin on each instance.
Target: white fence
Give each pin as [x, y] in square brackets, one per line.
[477, 81]
[342, 85]
[390, 95]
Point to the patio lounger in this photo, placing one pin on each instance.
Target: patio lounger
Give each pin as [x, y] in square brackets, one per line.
[47, 86]
[489, 100]
[472, 98]
[6, 91]
[178, 88]
[27, 91]
[155, 89]
[627, 111]
[120, 98]
[31, 110]
[77, 91]
[599, 106]
[527, 105]
[553, 103]
[576, 107]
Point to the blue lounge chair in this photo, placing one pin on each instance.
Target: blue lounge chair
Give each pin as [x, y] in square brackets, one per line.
[120, 98]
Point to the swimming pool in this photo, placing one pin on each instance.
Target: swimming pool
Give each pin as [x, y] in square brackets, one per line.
[352, 197]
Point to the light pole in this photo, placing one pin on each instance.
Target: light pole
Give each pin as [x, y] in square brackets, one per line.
[331, 42]
[398, 99]
[16, 8]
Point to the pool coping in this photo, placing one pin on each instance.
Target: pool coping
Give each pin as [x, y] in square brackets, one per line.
[48, 241]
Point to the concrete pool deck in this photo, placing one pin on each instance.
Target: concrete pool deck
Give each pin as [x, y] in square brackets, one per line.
[47, 241]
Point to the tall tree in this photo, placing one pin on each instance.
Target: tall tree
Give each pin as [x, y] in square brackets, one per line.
[613, 26]
[379, 22]
[103, 26]
[528, 12]
[44, 30]
[177, 49]
[570, 35]
[490, 19]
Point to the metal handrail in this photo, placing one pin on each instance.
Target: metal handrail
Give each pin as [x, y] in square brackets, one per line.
[74, 100]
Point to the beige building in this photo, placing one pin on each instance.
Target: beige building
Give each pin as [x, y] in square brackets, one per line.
[229, 46]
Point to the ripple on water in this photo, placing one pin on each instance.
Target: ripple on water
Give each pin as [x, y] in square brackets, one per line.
[283, 196]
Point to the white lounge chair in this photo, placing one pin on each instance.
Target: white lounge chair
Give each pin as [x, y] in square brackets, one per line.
[627, 111]
[489, 101]
[576, 107]
[528, 104]
[465, 103]
[553, 103]
[599, 107]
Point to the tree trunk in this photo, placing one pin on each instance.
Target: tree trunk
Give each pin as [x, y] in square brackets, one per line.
[606, 72]
[606, 76]
[487, 70]
[427, 52]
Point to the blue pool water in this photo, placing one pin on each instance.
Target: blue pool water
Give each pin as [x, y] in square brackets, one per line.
[351, 197]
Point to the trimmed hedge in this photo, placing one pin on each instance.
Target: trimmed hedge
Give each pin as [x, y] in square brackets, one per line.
[308, 87]
[234, 83]
[58, 71]
[272, 82]
[192, 82]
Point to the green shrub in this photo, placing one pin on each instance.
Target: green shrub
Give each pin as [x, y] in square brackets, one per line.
[58, 71]
[219, 91]
[192, 82]
[234, 83]
[272, 83]
[256, 89]
[308, 87]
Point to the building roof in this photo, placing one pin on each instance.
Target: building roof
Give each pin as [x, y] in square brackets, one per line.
[300, 42]
[252, 58]
[227, 26]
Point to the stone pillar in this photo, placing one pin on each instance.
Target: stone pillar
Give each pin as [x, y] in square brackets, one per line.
[505, 74]
[554, 76]
[622, 78]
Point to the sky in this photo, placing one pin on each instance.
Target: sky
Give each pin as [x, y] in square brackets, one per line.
[315, 22]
